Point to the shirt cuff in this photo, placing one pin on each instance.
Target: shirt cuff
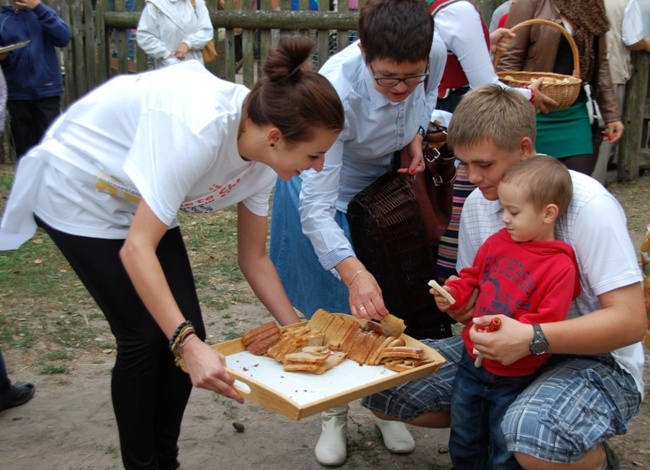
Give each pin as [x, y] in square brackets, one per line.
[334, 257]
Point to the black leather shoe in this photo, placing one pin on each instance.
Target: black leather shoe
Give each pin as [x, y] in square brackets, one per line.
[19, 394]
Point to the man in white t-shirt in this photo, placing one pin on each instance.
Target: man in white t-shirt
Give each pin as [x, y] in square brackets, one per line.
[593, 384]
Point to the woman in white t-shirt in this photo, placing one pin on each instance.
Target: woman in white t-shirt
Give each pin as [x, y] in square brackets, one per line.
[106, 183]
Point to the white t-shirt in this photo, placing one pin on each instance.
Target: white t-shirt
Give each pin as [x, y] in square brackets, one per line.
[595, 227]
[168, 136]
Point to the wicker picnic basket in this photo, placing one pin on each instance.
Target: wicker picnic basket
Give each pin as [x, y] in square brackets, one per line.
[564, 89]
[389, 238]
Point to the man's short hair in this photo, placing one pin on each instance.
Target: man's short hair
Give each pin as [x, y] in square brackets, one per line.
[399, 30]
[545, 178]
[493, 114]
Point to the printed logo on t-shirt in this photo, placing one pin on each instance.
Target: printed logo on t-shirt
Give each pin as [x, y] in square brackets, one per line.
[202, 204]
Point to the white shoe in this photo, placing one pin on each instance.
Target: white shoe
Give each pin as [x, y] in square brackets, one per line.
[331, 449]
[397, 437]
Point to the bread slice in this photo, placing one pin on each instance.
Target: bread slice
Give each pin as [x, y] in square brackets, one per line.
[299, 331]
[317, 350]
[372, 326]
[363, 347]
[335, 358]
[311, 338]
[332, 328]
[264, 331]
[343, 330]
[374, 356]
[301, 356]
[260, 346]
[398, 366]
[353, 336]
[437, 287]
[320, 320]
[283, 343]
[392, 325]
[301, 366]
[402, 352]
[290, 346]
[396, 342]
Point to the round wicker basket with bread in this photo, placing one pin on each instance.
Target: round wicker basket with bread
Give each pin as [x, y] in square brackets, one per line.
[563, 89]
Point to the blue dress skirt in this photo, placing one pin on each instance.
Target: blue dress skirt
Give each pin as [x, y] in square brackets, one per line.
[307, 283]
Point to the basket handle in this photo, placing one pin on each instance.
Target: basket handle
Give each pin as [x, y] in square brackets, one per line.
[561, 29]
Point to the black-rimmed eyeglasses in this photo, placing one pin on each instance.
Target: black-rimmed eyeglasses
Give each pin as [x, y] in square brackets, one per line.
[388, 82]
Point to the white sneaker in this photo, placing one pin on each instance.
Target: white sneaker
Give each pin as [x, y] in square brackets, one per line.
[397, 437]
[331, 449]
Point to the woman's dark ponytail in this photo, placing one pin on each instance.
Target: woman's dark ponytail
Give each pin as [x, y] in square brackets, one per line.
[292, 96]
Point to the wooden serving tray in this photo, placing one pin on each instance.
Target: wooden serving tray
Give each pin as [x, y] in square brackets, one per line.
[297, 395]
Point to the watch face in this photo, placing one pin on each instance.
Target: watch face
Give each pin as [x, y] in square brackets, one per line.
[539, 347]
[539, 344]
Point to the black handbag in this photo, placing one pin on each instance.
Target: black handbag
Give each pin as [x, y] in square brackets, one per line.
[390, 236]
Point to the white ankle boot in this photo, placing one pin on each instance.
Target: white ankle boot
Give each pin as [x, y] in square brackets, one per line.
[331, 449]
[397, 438]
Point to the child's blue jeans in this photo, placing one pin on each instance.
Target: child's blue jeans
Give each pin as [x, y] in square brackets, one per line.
[478, 402]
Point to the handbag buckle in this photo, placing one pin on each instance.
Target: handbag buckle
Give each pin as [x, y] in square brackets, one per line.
[439, 181]
[431, 150]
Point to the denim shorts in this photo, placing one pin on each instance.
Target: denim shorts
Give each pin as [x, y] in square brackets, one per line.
[575, 403]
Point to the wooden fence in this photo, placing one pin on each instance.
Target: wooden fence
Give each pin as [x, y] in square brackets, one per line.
[103, 45]
[103, 41]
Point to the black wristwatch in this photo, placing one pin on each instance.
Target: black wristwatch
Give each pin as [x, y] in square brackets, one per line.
[539, 345]
[422, 131]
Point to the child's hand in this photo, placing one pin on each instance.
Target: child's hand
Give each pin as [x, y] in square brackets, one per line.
[441, 301]
[443, 296]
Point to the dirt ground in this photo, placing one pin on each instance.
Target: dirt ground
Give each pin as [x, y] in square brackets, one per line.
[70, 424]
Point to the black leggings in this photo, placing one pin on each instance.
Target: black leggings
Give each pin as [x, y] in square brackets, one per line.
[149, 392]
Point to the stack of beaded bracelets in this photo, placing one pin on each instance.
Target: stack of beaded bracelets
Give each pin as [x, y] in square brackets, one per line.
[180, 337]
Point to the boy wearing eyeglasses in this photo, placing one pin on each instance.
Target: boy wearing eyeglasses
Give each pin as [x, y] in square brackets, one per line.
[388, 83]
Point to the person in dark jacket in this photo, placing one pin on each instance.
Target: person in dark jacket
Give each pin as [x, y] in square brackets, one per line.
[33, 73]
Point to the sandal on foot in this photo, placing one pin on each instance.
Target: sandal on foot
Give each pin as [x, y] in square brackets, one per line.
[19, 394]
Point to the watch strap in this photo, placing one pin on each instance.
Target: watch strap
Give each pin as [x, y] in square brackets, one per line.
[539, 345]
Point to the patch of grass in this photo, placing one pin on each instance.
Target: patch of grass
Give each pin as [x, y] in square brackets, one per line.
[51, 369]
[228, 405]
[230, 334]
[368, 446]
[111, 450]
[59, 355]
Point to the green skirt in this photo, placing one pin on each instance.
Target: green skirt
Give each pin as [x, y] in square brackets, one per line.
[565, 132]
